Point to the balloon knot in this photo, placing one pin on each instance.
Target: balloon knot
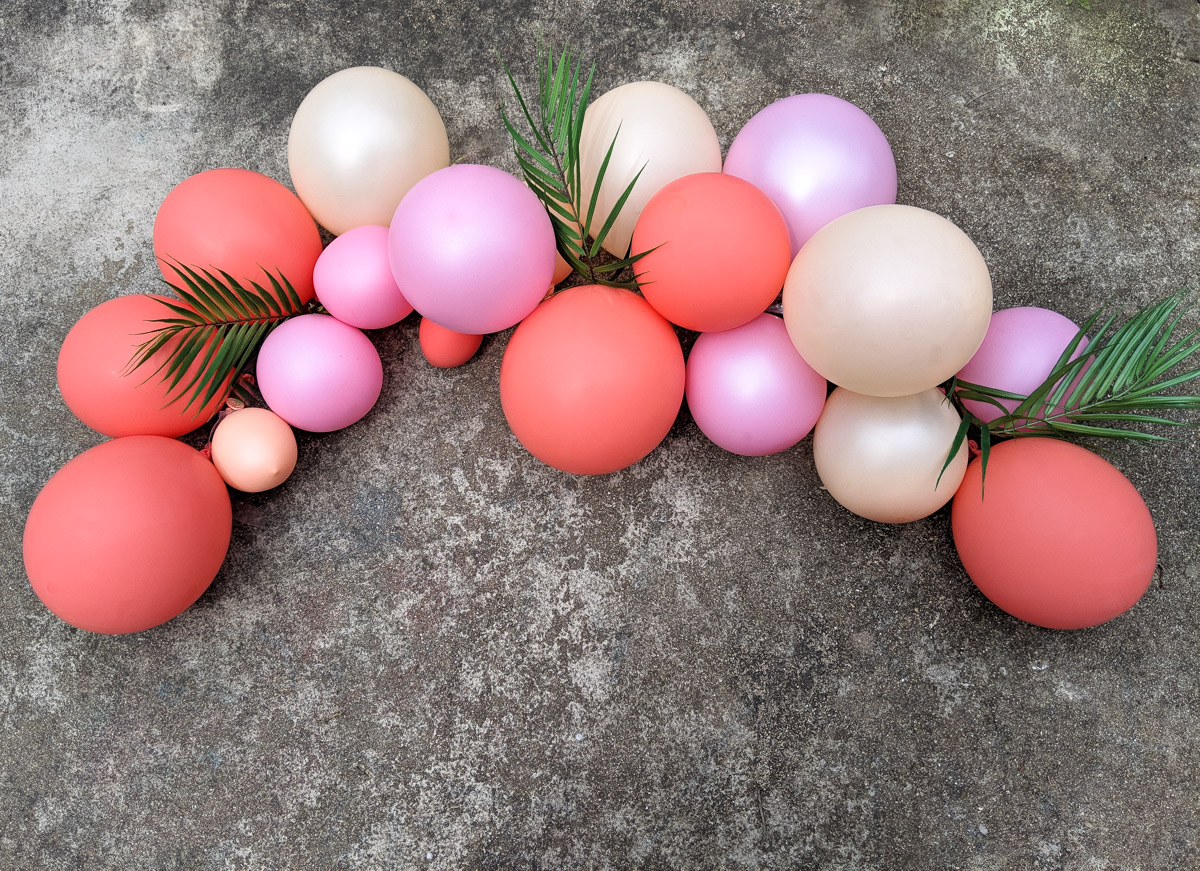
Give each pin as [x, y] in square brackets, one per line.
[972, 448]
[206, 451]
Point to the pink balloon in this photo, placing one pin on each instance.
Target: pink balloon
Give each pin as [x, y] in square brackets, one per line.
[354, 281]
[472, 249]
[318, 373]
[1018, 352]
[749, 390]
[817, 157]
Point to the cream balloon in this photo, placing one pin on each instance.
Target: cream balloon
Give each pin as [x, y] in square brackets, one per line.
[888, 300]
[661, 129]
[254, 449]
[360, 139]
[880, 457]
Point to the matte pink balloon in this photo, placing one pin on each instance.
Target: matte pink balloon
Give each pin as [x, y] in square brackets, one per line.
[750, 391]
[354, 280]
[1019, 350]
[472, 249]
[318, 373]
[817, 157]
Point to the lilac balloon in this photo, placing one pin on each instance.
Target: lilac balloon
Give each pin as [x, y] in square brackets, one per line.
[318, 373]
[472, 249]
[1018, 353]
[354, 281]
[749, 390]
[817, 157]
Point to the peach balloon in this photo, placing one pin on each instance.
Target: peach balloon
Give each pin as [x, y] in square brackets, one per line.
[888, 300]
[880, 457]
[360, 139]
[254, 449]
[661, 129]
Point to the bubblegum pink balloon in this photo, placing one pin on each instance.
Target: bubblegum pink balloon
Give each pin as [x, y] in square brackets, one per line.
[749, 390]
[318, 373]
[817, 157]
[1018, 352]
[472, 249]
[354, 281]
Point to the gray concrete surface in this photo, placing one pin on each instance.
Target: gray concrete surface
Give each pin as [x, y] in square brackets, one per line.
[430, 651]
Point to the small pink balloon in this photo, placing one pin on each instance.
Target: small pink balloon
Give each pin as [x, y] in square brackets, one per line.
[354, 281]
[318, 373]
[817, 157]
[472, 249]
[1018, 352]
[750, 391]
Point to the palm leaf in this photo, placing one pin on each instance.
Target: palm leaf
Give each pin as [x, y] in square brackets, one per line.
[212, 333]
[549, 159]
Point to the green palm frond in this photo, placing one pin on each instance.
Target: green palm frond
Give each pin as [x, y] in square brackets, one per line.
[549, 160]
[1121, 381]
[212, 332]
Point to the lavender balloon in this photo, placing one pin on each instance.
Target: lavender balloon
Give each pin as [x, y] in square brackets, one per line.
[472, 249]
[817, 157]
[1018, 352]
[749, 390]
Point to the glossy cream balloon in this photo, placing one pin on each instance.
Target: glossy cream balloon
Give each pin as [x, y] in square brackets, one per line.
[888, 300]
[880, 457]
[254, 449]
[663, 132]
[360, 139]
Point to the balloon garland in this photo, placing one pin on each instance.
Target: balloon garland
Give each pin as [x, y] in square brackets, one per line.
[891, 303]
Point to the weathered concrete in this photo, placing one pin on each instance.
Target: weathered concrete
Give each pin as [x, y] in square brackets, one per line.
[434, 652]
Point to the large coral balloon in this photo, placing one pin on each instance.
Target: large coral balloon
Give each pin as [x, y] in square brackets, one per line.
[128, 534]
[241, 222]
[592, 380]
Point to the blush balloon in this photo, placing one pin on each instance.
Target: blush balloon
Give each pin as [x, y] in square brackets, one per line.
[128, 534]
[592, 381]
[354, 280]
[254, 450]
[358, 143]
[882, 457]
[472, 248]
[318, 373]
[817, 157]
[241, 222]
[749, 391]
[445, 348]
[888, 300]
[1019, 351]
[97, 387]
[660, 131]
[1053, 534]
[718, 252]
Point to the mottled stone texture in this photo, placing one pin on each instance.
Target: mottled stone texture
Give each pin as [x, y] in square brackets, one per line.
[428, 650]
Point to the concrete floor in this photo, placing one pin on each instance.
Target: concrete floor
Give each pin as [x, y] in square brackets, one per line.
[428, 650]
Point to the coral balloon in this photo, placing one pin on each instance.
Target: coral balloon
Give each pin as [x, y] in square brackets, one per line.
[881, 457]
[445, 348]
[254, 450]
[240, 222]
[1019, 351]
[92, 367]
[1053, 534]
[749, 391]
[817, 157]
[592, 381]
[888, 300]
[354, 280]
[359, 141]
[472, 248]
[718, 252]
[318, 373]
[128, 534]
[663, 133]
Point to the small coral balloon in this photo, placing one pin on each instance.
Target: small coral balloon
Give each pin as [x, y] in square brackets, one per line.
[445, 348]
[254, 449]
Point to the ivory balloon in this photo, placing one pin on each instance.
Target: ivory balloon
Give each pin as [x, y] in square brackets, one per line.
[888, 300]
[661, 129]
[254, 449]
[880, 457]
[360, 139]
